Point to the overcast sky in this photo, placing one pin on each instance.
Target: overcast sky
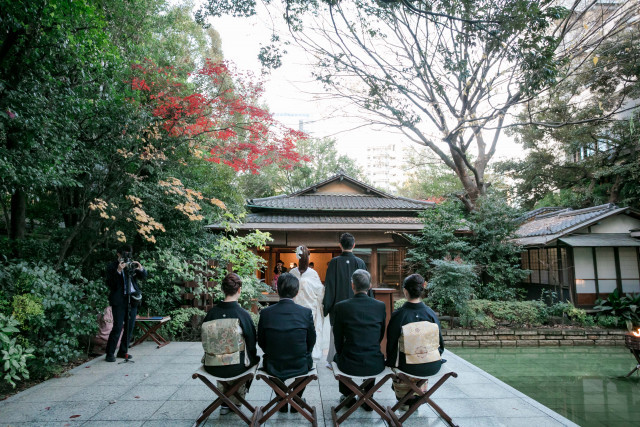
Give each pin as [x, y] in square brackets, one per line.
[291, 93]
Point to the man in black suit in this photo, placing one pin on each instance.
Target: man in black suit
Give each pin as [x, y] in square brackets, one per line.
[286, 334]
[358, 330]
[118, 274]
[337, 284]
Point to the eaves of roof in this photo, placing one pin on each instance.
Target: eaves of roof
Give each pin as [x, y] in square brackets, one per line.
[543, 240]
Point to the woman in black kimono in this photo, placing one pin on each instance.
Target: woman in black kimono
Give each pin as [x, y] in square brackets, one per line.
[414, 310]
[230, 309]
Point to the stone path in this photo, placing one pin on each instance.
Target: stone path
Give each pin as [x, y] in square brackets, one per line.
[157, 390]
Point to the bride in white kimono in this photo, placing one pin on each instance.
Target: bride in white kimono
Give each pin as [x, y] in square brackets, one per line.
[310, 294]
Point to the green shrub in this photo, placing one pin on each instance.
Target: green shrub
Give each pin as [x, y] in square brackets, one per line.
[256, 318]
[28, 311]
[486, 314]
[451, 286]
[14, 356]
[609, 321]
[57, 311]
[181, 318]
[578, 315]
[626, 307]
[399, 303]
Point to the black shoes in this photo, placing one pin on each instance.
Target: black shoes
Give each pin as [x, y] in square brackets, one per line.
[349, 404]
[110, 358]
[124, 356]
[291, 409]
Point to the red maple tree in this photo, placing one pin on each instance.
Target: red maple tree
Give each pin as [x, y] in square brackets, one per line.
[222, 120]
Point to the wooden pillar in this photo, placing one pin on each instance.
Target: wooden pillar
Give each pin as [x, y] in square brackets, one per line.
[374, 267]
[386, 296]
[616, 257]
[595, 271]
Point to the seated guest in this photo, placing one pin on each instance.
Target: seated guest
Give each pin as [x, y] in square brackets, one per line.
[286, 334]
[228, 319]
[414, 339]
[358, 329]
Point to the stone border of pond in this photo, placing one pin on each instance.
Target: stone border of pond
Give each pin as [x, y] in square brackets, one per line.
[532, 337]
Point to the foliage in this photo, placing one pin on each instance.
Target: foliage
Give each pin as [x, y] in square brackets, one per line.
[427, 178]
[168, 268]
[451, 286]
[446, 73]
[399, 303]
[183, 317]
[625, 308]
[56, 311]
[323, 161]
[486, 242]
[14, 356]
[27, 310]
[609, 321]
[236, 250]
[486, 314]
[255, 318]
[493, 225]
[584, 163]
[437, 238]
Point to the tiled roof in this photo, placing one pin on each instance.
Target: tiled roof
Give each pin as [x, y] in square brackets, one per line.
[556, 222]
[265, 218]
[537, 212]
[334, 202]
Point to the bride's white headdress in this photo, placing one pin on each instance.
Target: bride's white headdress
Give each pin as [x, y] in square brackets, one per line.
[299, 252]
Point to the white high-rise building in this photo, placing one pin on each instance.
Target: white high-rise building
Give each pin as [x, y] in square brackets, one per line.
[383, 166]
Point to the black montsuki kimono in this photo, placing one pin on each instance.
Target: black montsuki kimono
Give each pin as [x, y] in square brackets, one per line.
[338, 280]
[409, 313]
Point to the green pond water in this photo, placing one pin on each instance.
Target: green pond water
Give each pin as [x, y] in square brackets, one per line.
[584, 384]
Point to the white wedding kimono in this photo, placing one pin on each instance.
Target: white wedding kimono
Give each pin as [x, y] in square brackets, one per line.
[310, 295]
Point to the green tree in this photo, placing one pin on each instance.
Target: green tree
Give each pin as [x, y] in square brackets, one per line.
[445, 73]
[428, 178]
[323, 161]
[482, 238]
[585, 162]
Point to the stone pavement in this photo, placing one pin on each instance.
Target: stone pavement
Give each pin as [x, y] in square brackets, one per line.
[157, 390]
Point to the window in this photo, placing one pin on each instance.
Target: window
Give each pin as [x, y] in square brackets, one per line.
[390, 266]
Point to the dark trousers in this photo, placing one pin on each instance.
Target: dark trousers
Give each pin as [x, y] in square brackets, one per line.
[345, 391]
[120, 320]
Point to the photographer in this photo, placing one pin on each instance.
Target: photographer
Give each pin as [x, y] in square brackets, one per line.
[122, 278]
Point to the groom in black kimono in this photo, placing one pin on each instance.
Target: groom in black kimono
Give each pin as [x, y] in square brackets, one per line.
[338, 282]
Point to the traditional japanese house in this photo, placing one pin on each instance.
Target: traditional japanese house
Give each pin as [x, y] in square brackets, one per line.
[316, 217]
[581, 254]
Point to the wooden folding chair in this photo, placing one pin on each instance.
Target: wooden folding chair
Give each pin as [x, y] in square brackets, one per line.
[286, 395]
[363, 392]
[210, 381]
[423, 397]
[150, 330]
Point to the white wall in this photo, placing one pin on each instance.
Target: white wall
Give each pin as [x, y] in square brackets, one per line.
[616, 224]
[585, 275]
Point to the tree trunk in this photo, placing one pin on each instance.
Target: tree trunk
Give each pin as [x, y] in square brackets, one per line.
[18, 215]
[614, 193]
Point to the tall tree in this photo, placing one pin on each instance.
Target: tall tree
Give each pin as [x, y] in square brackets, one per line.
[322, 161]
[446, 73]
[589, 162]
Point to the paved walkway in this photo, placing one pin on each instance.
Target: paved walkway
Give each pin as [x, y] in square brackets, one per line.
[157, 390]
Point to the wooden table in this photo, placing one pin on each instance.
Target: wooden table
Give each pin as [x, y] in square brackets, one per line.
[386, 296]
[150, 326]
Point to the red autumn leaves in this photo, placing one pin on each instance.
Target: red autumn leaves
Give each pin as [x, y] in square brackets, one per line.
[221, 121]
